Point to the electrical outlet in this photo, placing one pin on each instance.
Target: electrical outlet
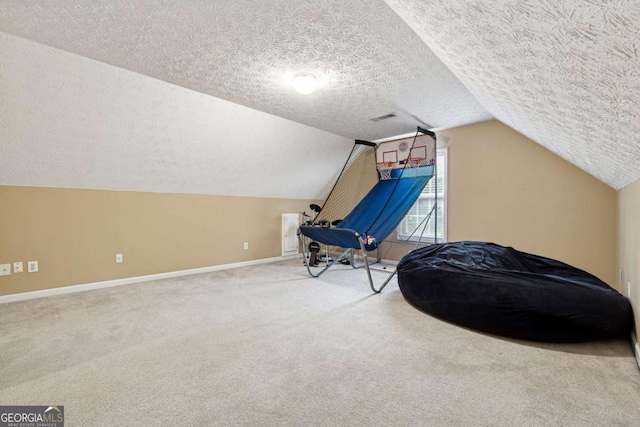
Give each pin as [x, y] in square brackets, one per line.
[118, 258]
[5, 269]
[246, 245]
[32, 267]
[17, 267]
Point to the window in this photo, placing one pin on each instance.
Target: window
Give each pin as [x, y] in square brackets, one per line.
[411, 226]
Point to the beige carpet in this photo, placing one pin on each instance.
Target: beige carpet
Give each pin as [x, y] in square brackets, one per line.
[267, 345]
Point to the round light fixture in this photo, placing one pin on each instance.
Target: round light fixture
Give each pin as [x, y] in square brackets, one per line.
[305, 83]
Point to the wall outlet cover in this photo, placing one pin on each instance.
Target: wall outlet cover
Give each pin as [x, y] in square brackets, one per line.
[32, 267]
[246, 245]
[119, 258]
[5, 269]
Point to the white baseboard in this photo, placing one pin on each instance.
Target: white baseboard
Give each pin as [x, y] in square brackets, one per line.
[130, 280]
[636, 348]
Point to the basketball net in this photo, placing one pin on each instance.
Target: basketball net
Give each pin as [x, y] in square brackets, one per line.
[385, 170]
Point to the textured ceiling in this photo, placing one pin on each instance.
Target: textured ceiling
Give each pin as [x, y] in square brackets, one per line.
[369, 62]
[69, 121]
[564, 73]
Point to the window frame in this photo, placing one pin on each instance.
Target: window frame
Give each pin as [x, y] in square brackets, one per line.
[444, 151]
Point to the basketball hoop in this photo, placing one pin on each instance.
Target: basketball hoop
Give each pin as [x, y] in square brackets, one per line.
[385, 169]
[413, 167]
[414, 162]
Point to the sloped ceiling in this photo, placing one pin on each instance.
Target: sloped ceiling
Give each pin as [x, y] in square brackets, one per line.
[69, 121]
[564, 73]
[368, 61]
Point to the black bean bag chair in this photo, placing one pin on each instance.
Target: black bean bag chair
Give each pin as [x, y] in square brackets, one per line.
[506, 292]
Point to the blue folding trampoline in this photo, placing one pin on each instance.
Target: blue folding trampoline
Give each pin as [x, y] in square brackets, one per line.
[378, 212]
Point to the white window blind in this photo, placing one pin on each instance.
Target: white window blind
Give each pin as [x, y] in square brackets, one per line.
[424, 205]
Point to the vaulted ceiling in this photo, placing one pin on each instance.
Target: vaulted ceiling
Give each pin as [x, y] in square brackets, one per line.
[368, 61]
[565, 74]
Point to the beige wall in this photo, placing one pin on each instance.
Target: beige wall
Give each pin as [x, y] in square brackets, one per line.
[502, 188]
[506, 189]
[628, 243]
[75, 234]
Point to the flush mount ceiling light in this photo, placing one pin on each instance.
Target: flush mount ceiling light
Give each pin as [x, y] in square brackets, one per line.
[305, 82]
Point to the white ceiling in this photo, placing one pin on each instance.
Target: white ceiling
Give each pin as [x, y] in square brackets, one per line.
[565, 74]
[368, 61]
[72, 122]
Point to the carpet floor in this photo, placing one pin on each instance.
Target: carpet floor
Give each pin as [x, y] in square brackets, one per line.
[269, 346]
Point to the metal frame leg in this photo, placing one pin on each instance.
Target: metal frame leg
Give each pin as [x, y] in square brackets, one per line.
[329, 265]
[348, 252]
[366, 265]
